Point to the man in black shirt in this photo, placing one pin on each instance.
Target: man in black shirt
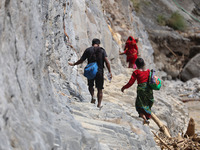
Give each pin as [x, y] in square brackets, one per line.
[101, 57]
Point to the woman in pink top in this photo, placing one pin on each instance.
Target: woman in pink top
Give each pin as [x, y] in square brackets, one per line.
[144, 100]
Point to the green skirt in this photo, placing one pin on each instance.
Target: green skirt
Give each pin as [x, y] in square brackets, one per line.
[144, 100]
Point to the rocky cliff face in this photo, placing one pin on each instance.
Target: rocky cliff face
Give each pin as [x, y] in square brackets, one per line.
[172, 47]
[40, 94]
[32, 117]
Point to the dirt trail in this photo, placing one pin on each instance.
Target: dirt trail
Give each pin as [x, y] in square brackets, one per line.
[118, 120]
[112, 93]
[112, 90]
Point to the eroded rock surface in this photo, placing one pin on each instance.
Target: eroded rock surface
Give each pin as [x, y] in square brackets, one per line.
[44, 102]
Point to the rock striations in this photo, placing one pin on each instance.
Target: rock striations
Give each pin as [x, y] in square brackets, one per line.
[45, 103]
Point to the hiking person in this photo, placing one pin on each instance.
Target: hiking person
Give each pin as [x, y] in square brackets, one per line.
[144, 100]
[100, 57]
[131, 51]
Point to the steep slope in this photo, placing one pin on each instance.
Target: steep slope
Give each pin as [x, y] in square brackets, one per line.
[173, 48]
[31, 116]
[44, 102]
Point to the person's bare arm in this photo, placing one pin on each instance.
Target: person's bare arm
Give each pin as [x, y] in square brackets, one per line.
[108, 66]
[121, 53]
[124, 52]
[76, 63]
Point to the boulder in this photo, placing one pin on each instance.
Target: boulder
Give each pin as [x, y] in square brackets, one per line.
[192, 69]
[194, 51]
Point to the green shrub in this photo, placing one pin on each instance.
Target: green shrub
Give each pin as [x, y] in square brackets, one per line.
[136, 5]
[177, 22]
[161, 20]
[147, 3]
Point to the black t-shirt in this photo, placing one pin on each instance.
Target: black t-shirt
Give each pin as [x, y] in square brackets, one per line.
[93, 54]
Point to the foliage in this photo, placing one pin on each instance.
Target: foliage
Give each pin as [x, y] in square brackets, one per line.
[147, 3]
[161, 20]
[176, 21]
[136, 5]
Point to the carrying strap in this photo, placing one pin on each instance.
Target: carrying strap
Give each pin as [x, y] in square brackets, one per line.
[93, 56]
[151, 76]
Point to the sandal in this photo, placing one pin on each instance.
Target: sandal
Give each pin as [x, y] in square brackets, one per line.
[146, 122]
[100, 107]
[93, 100]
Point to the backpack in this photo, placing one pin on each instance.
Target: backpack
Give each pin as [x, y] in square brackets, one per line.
[154, 81]
[91, 69]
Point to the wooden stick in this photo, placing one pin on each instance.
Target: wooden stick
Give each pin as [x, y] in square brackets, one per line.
[191, 128]
[170, 50]
[190, 99]
[161, 141]
[182, 95]
[162, 127]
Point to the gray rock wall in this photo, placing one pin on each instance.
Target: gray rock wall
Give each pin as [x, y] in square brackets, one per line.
[32, 117]
[37, 39]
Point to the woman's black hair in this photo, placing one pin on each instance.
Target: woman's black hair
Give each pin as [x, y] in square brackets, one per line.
[139, 63]
[130, 38]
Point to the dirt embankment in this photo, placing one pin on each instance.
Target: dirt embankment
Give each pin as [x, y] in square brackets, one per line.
[173, 49]
[173, 46]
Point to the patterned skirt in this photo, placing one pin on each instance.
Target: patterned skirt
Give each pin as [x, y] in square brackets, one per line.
[144, 100]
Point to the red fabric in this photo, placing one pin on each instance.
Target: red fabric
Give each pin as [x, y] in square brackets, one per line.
[141, 76]
[131, 50]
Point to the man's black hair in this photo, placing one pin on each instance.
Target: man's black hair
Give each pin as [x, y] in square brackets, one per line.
[95, 41]
[139, 63]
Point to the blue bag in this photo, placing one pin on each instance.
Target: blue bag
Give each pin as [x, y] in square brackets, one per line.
[91, 70]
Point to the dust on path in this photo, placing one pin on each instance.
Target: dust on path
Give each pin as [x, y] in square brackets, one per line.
[194, 112]
[112, 90]
[112, 93]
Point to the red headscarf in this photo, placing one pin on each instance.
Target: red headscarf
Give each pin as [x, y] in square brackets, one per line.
[130, 40]
[131, 46]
